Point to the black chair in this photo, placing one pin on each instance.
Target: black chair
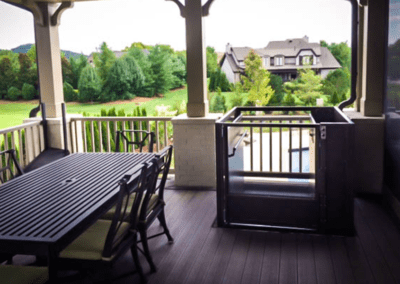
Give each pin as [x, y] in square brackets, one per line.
[130, 141]
[103, 243]
[153, 203]
[8, 160]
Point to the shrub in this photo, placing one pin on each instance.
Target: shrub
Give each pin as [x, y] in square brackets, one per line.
[218, 102]
[13, 94]
[89, 85]
[69, 93]
[28, 92]
[218, 80]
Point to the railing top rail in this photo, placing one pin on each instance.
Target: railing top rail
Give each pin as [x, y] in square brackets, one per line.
[277, 117]
[19, 127]
[121, 118]
[273, 125]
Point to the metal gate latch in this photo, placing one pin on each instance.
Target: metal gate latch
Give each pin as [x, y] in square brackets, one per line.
[323, 132]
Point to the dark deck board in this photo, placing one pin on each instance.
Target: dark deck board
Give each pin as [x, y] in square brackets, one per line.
[205, 254]
[305, 260]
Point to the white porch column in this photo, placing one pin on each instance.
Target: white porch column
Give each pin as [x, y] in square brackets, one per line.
[194, 132]
[47, 16]
[196, 60]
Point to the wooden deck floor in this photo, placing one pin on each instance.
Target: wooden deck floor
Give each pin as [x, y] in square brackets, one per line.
[204, 254]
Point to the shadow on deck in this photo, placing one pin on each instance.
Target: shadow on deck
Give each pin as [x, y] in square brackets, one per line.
[202, 253]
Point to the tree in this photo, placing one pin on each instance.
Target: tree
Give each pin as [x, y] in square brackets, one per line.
[217, 103]
[77, 65]
[308, 86]
[341, 51]
[237, 97]
[257, 80]
[32, 53]
[212, 60]
[145, 65]
[178, 69]
[13, 94]
[218, 80]
[118, 83]
[104, 61]
[135, 73]
[28, 91]
[27, 74]
[277, 85]
[161, 71]
[339, 80]
[67, 73]
[7, 76]
[89, 85]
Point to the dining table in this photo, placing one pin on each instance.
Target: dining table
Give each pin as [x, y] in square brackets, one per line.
[43, 211]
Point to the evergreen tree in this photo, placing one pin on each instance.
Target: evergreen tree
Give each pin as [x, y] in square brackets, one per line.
[161, 71]
[334, 99]
[257, 80]
[28, 91]
[218, 102]
[89, 85]
[135, 73]
[27, 74]
[66, 70]
[118, 83]
[212, 60]
[104, 61]
[7, 76]
[13, 94]
[77, 65]
[218, 80]
[277, 85]
[145, 65]
[69, 93]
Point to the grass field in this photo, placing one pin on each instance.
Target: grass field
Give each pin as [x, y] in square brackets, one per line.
[13, 113]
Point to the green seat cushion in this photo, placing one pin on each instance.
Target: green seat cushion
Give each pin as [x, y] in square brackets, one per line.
[12, 274]
[90, 245]
[153, 201]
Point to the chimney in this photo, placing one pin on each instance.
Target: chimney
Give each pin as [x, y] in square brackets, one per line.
[228, 48]
[305, 38]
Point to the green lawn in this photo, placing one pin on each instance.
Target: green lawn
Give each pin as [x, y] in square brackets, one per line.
[12, 114]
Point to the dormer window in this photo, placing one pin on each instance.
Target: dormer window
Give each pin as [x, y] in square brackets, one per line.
[279, 61]
[307, 60]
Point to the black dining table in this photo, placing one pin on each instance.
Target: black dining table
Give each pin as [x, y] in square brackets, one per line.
[43, 211]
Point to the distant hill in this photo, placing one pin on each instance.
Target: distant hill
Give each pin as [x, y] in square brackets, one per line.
[25, 47]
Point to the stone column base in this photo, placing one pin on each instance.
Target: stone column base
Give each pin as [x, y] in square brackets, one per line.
[369, 148]
[194, 151]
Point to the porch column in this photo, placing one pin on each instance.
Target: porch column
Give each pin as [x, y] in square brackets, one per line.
[194, 132]
[47, 19]
[196, 60]
[373, 58]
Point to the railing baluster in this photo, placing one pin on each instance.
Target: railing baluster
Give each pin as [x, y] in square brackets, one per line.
[71, 138]
[251, 147]
[280, 147]
[270, 147]
[165, 134]
[290, 148]
[157, 137]
[115, 132]
[76, 136]
[148, 129]
[100, 135]
[85, 146]
[261, 148]
[108, 136]
[300, 150]
[92, 135]
[13, 146]
[6, 148]
[21, 150]
[123, 128]
[132, 128]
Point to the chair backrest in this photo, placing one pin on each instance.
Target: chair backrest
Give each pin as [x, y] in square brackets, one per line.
[157, 180]
[8, 160]
[134, 138]
[130, 186]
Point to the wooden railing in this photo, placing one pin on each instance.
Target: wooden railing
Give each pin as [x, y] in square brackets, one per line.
[273, 141]
[98, 134]
[27, 139]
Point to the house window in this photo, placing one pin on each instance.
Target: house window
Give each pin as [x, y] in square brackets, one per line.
[307, 60]
[279, 61]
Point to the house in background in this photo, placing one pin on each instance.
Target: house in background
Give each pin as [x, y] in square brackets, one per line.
[282, 58]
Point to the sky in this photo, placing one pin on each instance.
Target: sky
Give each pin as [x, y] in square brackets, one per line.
[119, 23]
